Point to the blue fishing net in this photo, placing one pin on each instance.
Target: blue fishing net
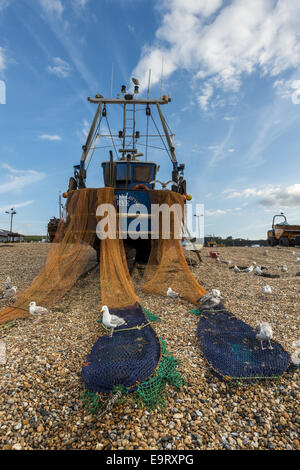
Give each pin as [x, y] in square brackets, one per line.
[232, 350]
[128, 358]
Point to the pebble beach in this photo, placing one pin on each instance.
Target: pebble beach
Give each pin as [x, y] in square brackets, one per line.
[41, 386]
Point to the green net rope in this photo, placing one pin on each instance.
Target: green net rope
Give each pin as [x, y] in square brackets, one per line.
[151, 393]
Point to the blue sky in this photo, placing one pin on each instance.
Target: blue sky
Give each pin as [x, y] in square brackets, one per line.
[231, 68]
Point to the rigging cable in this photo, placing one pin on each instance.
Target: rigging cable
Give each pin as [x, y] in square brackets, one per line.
[168, 152]
[111, 136]
[147, 138]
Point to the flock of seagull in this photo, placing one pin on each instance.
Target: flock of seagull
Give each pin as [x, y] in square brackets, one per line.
[264, 331]
[10, 292]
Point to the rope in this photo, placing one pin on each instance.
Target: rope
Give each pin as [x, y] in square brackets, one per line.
[112, 137]
[161, 138]
[138, 327]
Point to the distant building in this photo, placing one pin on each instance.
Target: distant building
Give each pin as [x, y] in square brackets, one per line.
[8, 237]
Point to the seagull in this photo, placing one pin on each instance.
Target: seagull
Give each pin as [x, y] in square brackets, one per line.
[216, 293]
[267, 290]
[226, 262]
[284, 268]
[296, 344]
[258, 271]
[8, 293]
[135, 81]
[298, 260]
[36, 310]
[248, 270]
[171, 293]
[8, 283]
[264, 333]
[296, 354]
[211, 299]
[164, 185]
[236, 269]
[111, 321]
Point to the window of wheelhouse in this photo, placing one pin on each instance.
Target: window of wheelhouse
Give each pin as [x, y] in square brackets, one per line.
[142, 173]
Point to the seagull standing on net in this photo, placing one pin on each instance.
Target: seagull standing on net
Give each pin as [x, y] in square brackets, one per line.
[211, 299]
[8, 283]
[36, 310]
[171, 293]
[264, 333]
[111, 321]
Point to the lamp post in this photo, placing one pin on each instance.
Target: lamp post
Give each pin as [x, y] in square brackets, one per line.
[12, 213]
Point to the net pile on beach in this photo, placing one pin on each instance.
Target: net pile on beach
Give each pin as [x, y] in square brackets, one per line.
[232, 350]
[134, 358]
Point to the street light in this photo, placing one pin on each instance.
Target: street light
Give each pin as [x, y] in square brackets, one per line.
[12, 213]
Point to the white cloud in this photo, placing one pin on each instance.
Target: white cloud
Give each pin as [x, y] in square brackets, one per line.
[216, 212]
[4, 4]
[52, 7]
[2, 59]
[131, 28]
[251, 192]
[270, 195]
[222, 45]
[220, 151]
[84, 132]
[16, 206]
[289, 89]
[286, 197]
[60, 67]
[16, 180]
[50, 137]
[80, 3]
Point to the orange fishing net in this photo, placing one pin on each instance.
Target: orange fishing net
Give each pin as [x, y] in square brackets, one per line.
[73, 252]
[167, 266]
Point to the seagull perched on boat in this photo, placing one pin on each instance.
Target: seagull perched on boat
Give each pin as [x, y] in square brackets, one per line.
[9, 293]
[171, 293]
[111, 321]
[8, 283]
[211, 299]
[34, 309]
[264, 333]
[164, 185]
